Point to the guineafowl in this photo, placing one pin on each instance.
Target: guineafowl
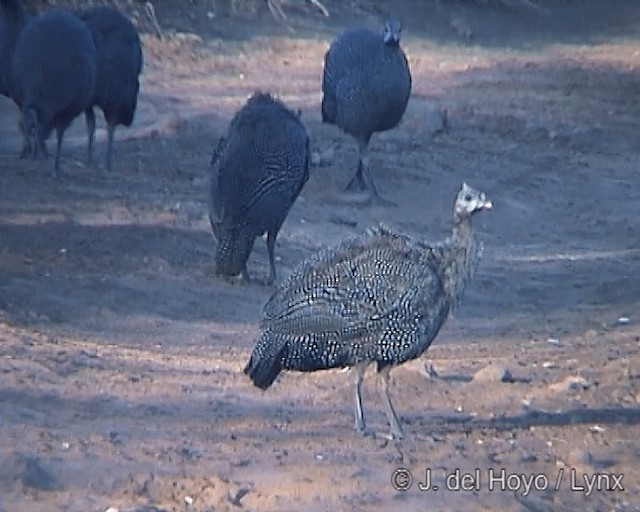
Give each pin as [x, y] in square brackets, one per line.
[257, 171]
[366, 88]
[53, 73]
[379, 298]
[13, 18]
[119, 63]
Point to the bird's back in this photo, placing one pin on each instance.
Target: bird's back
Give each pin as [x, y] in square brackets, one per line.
[378, 297]
[119, 63]
[366, 83]
[257, 172]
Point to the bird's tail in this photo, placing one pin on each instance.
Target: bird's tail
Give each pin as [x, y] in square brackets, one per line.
[266, 360]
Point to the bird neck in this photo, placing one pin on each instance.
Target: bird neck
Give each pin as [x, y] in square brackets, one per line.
[461, 259]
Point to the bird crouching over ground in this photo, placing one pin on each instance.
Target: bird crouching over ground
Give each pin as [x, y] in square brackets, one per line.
[257, 171]
[366, 87]
[118, 66]
[53, 72]
[379, 298]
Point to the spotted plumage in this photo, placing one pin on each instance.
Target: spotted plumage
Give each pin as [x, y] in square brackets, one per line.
[381, 297]
[257, 171]
[366, 87]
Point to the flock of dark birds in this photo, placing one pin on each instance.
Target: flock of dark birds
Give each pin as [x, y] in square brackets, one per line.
[380, 297]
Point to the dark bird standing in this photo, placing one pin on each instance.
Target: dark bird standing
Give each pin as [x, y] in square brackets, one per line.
[366, 87]
[257, 171]
[13, 18]
[119, 63]
[53, 73]
[379, 298]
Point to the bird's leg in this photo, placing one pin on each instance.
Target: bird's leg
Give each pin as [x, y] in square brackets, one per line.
[396, 429]
[110, 129]
[57, 173]
[91, 131]
[362, 180]
[358, 182]
[358, 376]
[271, 243]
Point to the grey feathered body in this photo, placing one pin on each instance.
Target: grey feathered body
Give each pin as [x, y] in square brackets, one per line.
[366, 83]
[257, 171]
[381, 297]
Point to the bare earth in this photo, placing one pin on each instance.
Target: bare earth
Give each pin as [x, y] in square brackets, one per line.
[121, 353]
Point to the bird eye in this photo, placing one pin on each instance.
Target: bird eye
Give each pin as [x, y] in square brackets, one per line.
[467, 197]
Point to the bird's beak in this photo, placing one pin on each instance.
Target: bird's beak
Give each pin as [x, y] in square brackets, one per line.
[485, 204]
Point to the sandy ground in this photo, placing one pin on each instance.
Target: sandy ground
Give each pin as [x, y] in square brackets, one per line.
[121, 352]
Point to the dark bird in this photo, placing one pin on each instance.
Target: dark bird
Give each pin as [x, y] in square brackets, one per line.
[257, 171]
[119, 63]
[13, 18]
[379, 298]
[53, 73]
[366, 88]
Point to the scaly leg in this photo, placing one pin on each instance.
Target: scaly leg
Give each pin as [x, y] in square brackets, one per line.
[396, 429]
[91, 131]
[358, 376]
[271, 244]
[110, 129]
[362, 180]
[56, 163]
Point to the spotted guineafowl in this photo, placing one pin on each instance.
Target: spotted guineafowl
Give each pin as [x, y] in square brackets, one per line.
[13, 18]
[257, 171]
[53, 73]
[366, 88]
[119, 63]
[379, 298]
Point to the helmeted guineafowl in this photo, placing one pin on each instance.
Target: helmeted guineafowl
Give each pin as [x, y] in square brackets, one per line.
[366, 88]
[53, 72]
[13, 18]
[379, 298]
[257, 171]
[119, 63]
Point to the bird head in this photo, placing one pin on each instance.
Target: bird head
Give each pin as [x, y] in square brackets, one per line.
[392, 31]
[469, 201]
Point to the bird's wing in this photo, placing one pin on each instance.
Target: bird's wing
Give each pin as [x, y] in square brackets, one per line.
[349, 289]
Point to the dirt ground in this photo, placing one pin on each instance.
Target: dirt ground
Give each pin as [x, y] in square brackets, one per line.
[121, 353]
